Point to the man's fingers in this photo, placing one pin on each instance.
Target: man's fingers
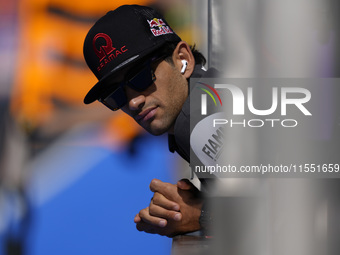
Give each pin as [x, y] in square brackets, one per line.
[152, 220]
[142, 226]
[162, 201]
[137, 219]
[160, 212]
[185, 184]
[166, 189]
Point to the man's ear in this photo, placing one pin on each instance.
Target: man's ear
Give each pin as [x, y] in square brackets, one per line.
[183, 59]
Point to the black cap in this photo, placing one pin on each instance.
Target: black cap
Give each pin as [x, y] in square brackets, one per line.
[121, 38]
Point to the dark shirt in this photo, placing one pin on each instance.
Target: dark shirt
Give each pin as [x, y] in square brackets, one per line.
[180, 140]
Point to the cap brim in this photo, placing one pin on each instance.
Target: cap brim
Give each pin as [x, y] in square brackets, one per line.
[100, 87]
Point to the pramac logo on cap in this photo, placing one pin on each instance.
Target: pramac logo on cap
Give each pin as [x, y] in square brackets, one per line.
[106, 52]
[159, 27]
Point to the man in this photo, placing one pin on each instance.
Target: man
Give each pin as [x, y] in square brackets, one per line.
[143, 68]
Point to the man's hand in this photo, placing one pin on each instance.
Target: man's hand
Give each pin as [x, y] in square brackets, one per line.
[174, 209]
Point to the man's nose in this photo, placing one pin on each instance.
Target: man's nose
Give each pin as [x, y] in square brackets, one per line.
[136, 100]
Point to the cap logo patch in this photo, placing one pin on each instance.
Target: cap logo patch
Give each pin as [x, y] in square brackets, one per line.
[106, 52]
[158, 27]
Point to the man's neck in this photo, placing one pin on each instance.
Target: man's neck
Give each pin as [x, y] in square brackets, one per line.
[171, 130]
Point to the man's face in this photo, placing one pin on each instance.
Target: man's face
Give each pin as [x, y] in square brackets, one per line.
[157, 108]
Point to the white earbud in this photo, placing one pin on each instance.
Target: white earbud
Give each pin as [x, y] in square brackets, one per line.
[184, 66]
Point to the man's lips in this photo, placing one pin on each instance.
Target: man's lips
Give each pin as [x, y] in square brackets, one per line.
[146, 114]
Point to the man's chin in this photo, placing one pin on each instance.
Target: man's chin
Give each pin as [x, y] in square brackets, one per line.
[156, 131]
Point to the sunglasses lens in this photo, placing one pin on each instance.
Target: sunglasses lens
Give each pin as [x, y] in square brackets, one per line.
[143, 79]
[115, 100]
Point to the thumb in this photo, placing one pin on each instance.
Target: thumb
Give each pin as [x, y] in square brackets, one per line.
[137, 219]
[185, 184]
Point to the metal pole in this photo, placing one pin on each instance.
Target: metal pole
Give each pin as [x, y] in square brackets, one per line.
[210, 31]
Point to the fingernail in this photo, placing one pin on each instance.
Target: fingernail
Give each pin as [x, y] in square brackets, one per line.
[162, 223]
[176, 207]
[177, 217]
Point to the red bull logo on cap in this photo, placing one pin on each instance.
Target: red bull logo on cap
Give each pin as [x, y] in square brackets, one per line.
[159, 27]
